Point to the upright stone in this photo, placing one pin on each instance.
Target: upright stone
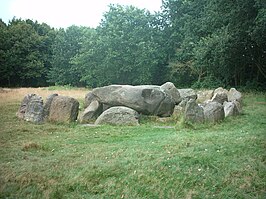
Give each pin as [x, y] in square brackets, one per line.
[179, 109]
[23, 106]
[230, 109]
[63, 109]
[34, 110]
[90, 97]
[238, 106]
[47, 105]
[220, 90]
[219, 97]
[193, 112]
[187, 93]
[213, 112]
[91, 112]
[234, 95]
[204, 95]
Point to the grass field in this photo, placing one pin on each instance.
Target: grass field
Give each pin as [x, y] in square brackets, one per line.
[225, 160]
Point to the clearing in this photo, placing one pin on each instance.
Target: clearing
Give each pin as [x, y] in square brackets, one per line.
[225, 160]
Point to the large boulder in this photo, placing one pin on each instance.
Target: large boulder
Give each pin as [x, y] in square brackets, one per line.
[34, 110]
[91, 112]
[204, 95]
[145, 99]
[63, 109]
[171, 90]
[188, 93]
[118, 115]
[213, 112]
[193, 112]
[47, 105]
[234, 95]
[230, 109]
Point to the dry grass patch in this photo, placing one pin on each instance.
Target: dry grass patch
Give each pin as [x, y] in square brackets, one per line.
[17, 94]
[30, 145]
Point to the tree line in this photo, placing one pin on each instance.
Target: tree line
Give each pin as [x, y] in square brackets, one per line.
[192, 43]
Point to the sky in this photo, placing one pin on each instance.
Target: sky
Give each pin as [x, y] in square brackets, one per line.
[64, 13]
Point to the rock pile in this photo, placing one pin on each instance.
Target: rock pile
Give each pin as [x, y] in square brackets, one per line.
[122, 105]
[216, 104]
[144, 99]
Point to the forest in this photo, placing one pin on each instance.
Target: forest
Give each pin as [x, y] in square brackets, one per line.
[192, 43]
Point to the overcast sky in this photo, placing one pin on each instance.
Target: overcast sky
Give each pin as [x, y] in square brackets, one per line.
[64, 13]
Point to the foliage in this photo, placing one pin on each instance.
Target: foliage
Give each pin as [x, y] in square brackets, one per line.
[25, 57]
[122, 50]
[226, 48]
[67, 44]
[58, 87]
[199, 43]
[208, 81]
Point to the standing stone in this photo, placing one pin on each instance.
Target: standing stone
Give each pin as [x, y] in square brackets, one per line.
[91, 112]
[230, 109]
[90, 97]
[63, 109]
[220, 90]
[171, 90]
[23, 107]
[34, 110]
[118, 115]
[193, 112]
[213, 112]
[187, 93]
[233, 95]
[238, 106]
[179, 109]
[204, 95]
[47, 105]
[219, 97]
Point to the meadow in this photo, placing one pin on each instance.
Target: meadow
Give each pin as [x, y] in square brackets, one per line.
[158, 159]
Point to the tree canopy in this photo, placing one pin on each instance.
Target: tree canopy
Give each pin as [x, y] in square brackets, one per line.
[199, 43]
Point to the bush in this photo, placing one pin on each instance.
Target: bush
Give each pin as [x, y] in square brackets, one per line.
[209, 82]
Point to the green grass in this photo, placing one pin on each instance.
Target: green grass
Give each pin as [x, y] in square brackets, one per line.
[225, 160]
